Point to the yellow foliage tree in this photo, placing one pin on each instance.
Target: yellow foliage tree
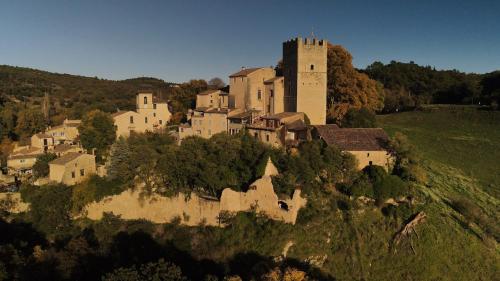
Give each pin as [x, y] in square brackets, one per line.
[348, 88]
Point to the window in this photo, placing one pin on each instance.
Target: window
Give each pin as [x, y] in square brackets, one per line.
[131, 119]
[82, 172]
[73, 175]
[21, 161]
[160, 121]
[368, 154]
[146, 120]
[259, 94]
[312, 66]
[145, 100]
[267, 138]
[211, 101]
[154, 105]
[256, 135]
[271, 94]
[370, 163]
[154, 114]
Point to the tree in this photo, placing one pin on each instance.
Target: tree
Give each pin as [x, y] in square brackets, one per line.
[407, 163]
[41, 167]
[349, 88]
[359, 118]
[97, 131]
[153, 271]
[216, 83]
[29, 122]
[120, 167]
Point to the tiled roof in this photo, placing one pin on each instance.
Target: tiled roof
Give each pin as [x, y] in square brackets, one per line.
[207, 92]
[297, 125]
[244, 72]
[23, 156]
[116, 114]
[66, 158]
[63, 147]
[43, 136]
[268, 81]
[217, 110]
[353, 139]
[282, 115]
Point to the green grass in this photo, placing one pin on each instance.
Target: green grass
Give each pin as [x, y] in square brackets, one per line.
[463, 138]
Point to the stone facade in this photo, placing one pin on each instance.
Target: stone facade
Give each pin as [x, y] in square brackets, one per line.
[246, 87]
[150, 115]
[72, 168]
[304, 69]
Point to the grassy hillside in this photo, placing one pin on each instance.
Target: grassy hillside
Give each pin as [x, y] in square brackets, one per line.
[463, 138]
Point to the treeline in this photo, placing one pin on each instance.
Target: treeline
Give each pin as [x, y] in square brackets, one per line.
[408, 85]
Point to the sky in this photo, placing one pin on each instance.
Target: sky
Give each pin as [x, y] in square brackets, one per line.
[181, 40]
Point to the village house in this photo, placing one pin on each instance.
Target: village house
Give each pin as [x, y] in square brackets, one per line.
[66, 133]
[42, 141]
[21, 160]
[285, 128]
[150, 115]
[368, 145]
[72, 168]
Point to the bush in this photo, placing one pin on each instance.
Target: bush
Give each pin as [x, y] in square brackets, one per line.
[94, 189]
[359, 118]
[375, 173]
[389, 187]
[50, 207]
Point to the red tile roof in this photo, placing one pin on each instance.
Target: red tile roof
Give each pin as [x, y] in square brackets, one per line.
[244, 72]
[353, 139]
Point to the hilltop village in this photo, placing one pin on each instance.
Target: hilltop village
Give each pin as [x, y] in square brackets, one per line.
[281, 111]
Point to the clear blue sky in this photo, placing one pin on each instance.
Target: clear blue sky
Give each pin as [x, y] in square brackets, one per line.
[180, 40]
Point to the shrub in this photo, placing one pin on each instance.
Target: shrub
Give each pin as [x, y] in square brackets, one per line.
[375, 173]
[389, 187]
[359, 118]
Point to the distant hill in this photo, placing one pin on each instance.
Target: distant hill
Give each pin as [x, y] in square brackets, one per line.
[73, 90]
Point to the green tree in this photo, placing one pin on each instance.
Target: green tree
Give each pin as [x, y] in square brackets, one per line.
[359, 118]
[408, 162]
[153, 271]
[41, 166]
[97, 131]
[29, 122]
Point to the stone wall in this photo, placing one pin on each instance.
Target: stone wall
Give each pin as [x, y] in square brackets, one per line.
[195, 210]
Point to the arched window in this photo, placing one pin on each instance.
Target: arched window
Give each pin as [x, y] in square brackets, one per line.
[145, 100]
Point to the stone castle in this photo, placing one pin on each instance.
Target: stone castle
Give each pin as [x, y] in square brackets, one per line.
[274, 109]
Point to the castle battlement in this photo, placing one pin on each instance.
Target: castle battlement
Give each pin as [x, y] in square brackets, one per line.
[306, 42]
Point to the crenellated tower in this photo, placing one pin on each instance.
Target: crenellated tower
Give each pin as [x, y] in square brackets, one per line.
[304, 71]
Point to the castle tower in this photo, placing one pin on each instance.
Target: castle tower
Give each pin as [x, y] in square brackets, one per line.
[304, 70]
[144, 102]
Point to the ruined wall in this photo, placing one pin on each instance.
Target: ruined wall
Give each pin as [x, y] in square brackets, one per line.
[196, 210]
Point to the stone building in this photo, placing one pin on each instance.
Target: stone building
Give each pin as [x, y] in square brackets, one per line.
[280, 129]
[66, 133]
[304, 69]
[368, 145]
[246, 88]
[150, 115]
[72, 168]
[257, 95]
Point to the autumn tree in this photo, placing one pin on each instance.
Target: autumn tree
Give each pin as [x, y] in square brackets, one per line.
[348, 88]
[97, 131]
